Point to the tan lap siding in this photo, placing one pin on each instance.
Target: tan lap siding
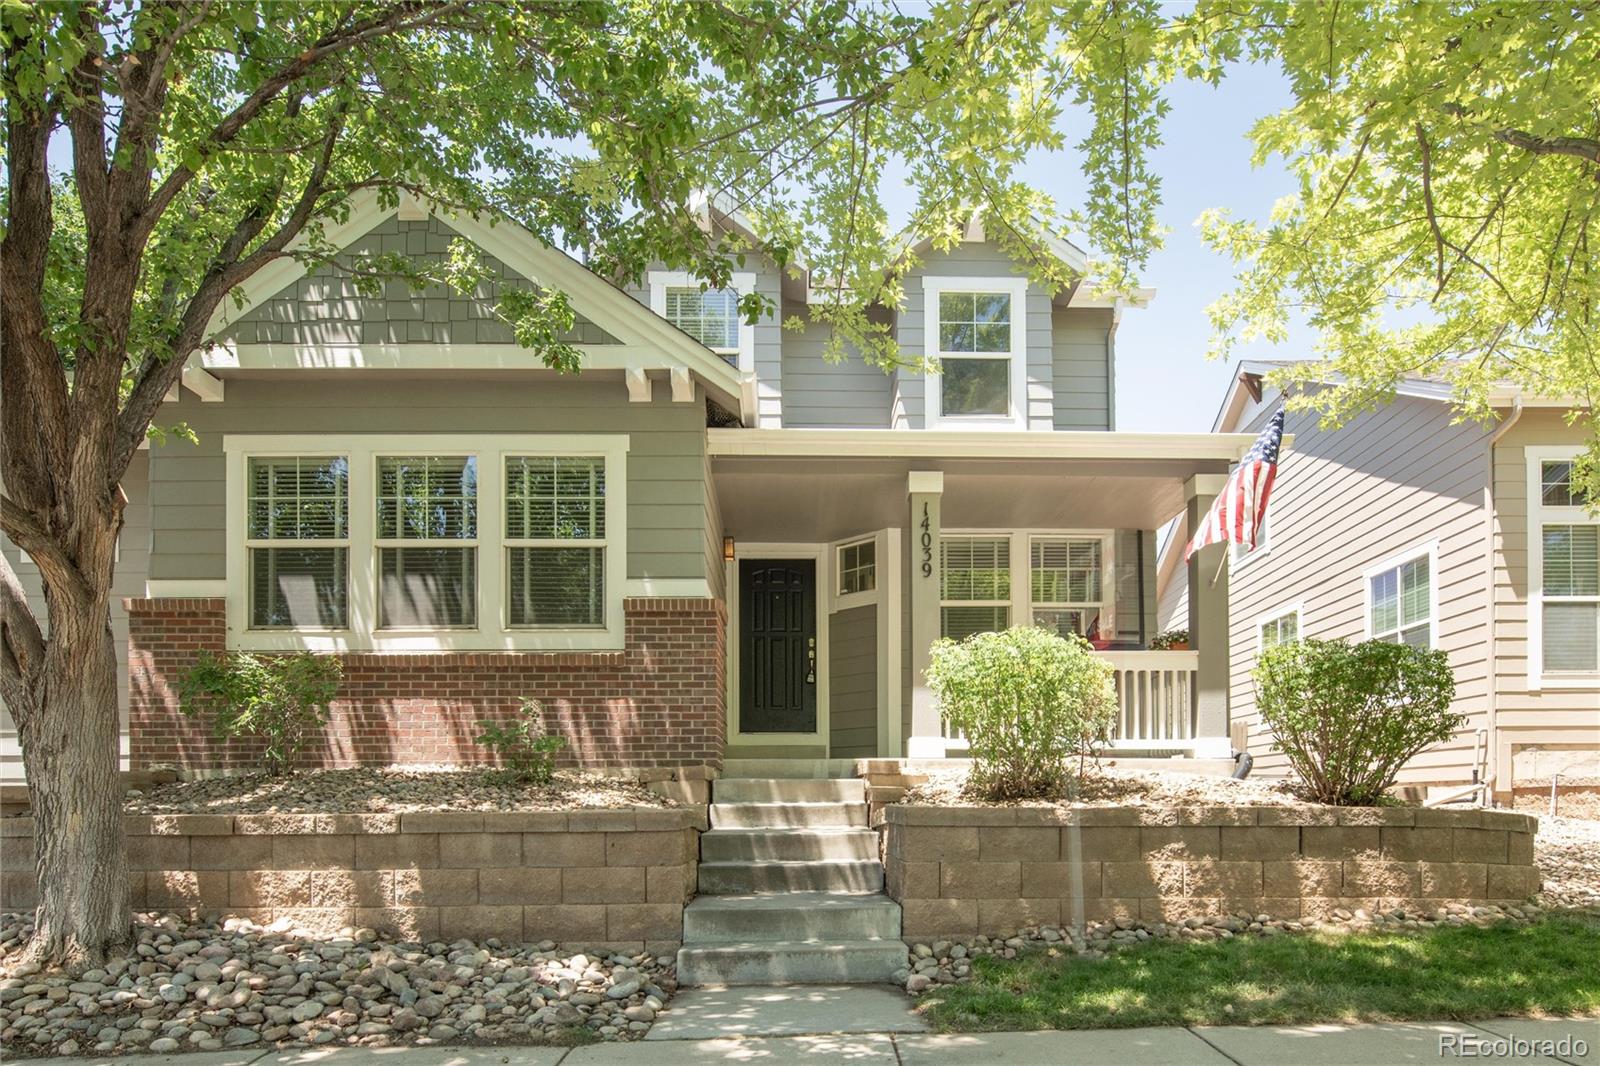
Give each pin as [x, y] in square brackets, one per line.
[1392, 480]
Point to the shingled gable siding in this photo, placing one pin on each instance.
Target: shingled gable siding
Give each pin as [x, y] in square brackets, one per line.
[659, 702]
[325, 308]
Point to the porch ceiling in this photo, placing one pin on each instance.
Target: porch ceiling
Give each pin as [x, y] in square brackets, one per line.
[810, 498]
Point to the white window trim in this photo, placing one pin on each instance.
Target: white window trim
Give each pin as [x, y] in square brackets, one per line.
[1239, 558]
[1021, 602]
[841, 601]
[1431, 551]
[492, 632]
[1538, 515]
[1296, 609]
[476, 544]
[1017, 289]
[743, 282]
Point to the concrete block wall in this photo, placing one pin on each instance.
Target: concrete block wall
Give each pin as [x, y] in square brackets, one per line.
[614, 879]
[961, 871]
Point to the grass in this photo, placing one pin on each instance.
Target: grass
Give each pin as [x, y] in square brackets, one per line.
[1547, 967]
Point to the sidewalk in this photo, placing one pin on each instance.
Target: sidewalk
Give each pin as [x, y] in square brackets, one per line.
[1316, 1045]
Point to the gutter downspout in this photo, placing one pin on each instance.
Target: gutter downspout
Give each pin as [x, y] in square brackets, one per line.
[1493, 754]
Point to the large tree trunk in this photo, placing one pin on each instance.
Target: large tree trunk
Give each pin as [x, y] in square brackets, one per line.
[71, 747]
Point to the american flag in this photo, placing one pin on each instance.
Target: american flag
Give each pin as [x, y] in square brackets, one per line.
[1236, 514]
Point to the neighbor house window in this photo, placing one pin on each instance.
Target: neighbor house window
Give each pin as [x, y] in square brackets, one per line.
[556, 540]
[1280, 629]
[858, 567]
[297, 539]
[974, 585]
[1569, 571]
[975, 354]
[1400, 602]
[710, 316]
[1068, 583]
[427, 539]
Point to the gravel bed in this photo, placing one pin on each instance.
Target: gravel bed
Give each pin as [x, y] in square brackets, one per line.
[217, 986]
[1567, 851]
[364, 791]
[948, 962]
[1111, 784]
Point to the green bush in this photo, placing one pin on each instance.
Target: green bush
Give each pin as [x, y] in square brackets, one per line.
[526, 750]
[1349, 716]
[1028, 701]
[282, 699]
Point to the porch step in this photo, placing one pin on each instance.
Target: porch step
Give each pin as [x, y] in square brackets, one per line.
[788, 815]
[734, 845]
[792, 916]
[789, 769]
[765, 875]
[790, 962]
[788, 790]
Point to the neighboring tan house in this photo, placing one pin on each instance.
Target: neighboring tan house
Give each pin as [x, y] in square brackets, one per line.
[1407, 525]
[710, 543]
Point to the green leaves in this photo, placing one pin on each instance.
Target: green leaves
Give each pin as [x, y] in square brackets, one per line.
[281, 701]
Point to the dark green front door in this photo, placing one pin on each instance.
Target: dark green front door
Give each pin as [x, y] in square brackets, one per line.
[777, 645]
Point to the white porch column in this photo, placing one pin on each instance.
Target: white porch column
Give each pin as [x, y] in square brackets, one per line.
[1208, 624]
[925, 490]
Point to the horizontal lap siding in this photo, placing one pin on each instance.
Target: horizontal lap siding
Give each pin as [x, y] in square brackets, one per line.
[853, 683]
[1082, 368]
[1346, 500]
[821, 394]
[667, 479]
[1551, 715]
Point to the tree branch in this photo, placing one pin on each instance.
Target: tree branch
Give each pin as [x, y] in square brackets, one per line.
[1427, 202]
[1577, 147]
[21, 645]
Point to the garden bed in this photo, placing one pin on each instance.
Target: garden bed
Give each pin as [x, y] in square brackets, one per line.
[1104, 785]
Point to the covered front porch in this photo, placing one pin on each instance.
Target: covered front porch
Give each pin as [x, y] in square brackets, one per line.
[846, 554]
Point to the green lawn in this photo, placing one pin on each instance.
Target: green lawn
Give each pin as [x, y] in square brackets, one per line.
[1465, 972]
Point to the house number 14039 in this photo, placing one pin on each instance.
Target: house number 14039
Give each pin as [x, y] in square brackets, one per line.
[927, 541]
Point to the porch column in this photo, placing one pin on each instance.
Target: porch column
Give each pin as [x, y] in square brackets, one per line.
[925, 489]
[1208, 624]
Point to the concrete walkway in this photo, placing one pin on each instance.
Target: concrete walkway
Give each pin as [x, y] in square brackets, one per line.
[1311, 1045]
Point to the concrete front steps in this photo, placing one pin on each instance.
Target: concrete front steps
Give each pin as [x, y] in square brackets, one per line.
[790, 889]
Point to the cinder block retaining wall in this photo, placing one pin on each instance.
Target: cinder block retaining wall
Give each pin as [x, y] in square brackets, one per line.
[583, 878]
[657, 702]
[961, 871]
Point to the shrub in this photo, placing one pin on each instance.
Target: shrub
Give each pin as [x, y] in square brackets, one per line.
[1168, 640]
[1027, 700]
[282, 699]
[1349, 716]
[526, 750]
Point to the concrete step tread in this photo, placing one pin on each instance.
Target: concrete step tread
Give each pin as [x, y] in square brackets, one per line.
[886, 945]
[795, 900]
[789, 830]
[789, 864]
[788, 790]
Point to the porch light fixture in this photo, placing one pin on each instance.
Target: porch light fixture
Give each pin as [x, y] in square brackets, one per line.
[727, 548]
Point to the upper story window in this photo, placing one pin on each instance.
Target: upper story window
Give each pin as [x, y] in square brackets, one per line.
[1564, 538]
[710, 317]
[297, 541]
[1400, 601]
[975, 329]
[858, 567]
[1242, 554]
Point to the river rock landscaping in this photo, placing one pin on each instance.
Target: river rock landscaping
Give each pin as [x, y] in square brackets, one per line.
[223, 984]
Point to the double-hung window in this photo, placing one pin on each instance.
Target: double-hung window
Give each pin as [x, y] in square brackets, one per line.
[427, 542]
[1279, 629]
[974, 585]
[710, 316]
[976, 331]
[1067, 578]
[297, 540]
[1400, 600]
[555, 540]
[1567, 573]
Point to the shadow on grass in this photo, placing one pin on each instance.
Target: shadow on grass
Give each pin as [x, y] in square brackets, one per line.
[1451, 973]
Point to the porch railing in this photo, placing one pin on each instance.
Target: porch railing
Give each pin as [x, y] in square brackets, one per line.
[1157, 700]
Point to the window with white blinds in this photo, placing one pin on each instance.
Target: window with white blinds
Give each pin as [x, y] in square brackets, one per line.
[297, 541]
[974, 585]
[710, 317]
[1566, 540]
[427, 537]
[1400, 603]
[1067, 584]
[555, 540]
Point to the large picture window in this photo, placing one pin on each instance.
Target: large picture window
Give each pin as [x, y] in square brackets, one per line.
[297, 542]
[427, 542]
[556, 540]
[974, 585]
[1568, 547]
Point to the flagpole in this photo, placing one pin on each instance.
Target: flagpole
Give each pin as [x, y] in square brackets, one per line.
[1220, 563]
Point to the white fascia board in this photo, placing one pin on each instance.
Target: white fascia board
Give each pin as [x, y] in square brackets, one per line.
[968, 444]
[225, 357]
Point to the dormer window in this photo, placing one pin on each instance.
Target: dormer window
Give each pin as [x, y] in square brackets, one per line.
[976, 330]
[710, 316]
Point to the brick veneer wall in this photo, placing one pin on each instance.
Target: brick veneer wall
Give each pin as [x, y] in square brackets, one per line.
[960, 871]
[615, 879]
[658, 702]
